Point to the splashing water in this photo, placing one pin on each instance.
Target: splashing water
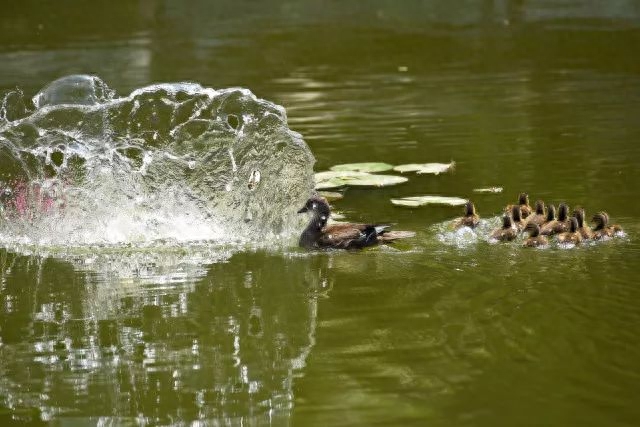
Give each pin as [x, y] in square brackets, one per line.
[173, 161]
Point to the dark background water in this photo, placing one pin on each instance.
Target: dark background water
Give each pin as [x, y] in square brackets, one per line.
[537, 96]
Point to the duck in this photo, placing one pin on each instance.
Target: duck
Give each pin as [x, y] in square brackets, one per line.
[470, 218]
[517, 218]
[559, 225]
[603, 229]
[535, 239]
[523, 204]
[584, 231]
[573, 235]
[551, 216]
[319, 235]
[538, 217]
[507, 232]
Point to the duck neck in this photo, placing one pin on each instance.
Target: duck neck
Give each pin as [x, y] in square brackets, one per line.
[313, 231]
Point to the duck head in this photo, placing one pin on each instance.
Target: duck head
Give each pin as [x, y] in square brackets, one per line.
[506, 222]
[469, 209]
[318, 206]
[551, 213]
[573, 224]
[563, 211]
[515, 214]
[601, 219]
[523, 199]
[533, 229]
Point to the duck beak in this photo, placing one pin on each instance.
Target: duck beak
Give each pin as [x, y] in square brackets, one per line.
[303, 210]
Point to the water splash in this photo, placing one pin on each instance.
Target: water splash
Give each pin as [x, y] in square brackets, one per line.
[81, 166]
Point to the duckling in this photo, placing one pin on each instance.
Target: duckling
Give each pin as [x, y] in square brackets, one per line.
[318, 234]
[535, 240]
[560, 225]
[507, 232]
[470, 218]
[523, 203]
[573, 235]
[516, 217]
[603, 229]
[551, 216]
[538, 217]
[584, 231]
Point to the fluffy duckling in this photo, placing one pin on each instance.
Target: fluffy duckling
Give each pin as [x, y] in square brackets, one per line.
[559, 225]
[603, 229]
[470, 218]
[584, 231]
[517, 218]
[573, 235]
[535, 239]
[342, 236]
[538, 217]
[551, 215]
[507, 232]
[523, 203]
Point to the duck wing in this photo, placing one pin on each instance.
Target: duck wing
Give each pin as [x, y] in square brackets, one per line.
[350, 235]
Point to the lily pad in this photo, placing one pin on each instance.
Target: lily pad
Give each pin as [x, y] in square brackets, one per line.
[331, 195]
[335, 179]
[488, 190]
[415, 201]
[420, 168]
[363, 167]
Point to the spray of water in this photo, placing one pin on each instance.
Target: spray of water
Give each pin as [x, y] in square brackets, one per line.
[81, 166]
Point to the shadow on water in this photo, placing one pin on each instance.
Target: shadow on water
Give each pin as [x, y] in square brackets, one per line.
[226, 346]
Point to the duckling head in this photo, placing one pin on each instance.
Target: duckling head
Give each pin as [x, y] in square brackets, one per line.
[319, 207]
[506, 222]
[563, 212]
[539, 207]
[533, 229]
[469, 209]
[601, 219]
[573, 224]
[523, 199]
[551, 213]
[515, 214]
[578, 214]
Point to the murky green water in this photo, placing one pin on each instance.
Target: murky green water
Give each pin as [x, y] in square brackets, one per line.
[539, 96]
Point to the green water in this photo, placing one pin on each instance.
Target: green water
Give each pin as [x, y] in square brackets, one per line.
[542, 97]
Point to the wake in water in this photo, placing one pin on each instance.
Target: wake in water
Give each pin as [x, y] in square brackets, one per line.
[81, 166]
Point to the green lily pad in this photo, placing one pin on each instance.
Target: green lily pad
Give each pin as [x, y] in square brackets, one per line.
[363, 167]
[488, 190]
[415, 201]
[335, 179]
[420, 168]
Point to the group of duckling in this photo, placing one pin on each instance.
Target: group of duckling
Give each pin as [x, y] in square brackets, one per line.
[541, 223]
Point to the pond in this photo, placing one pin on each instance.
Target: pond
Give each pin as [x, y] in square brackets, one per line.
[442, 329]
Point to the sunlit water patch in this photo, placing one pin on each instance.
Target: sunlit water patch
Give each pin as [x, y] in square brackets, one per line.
[80, 165]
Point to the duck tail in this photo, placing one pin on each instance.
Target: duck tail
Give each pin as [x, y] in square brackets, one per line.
[390, 236]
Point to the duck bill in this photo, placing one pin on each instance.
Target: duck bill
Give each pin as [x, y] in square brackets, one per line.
[303, 210]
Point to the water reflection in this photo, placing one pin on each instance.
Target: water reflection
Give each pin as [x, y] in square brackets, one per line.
[225, 346]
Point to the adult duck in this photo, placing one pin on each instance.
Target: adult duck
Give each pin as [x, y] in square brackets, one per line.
[319, 235]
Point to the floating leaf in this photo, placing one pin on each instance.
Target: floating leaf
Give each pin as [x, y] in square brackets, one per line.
[433, 168]
[415, 201]
[335, 179]
[331, 195]
[363, 167]
[375, 180]
[488, 190]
